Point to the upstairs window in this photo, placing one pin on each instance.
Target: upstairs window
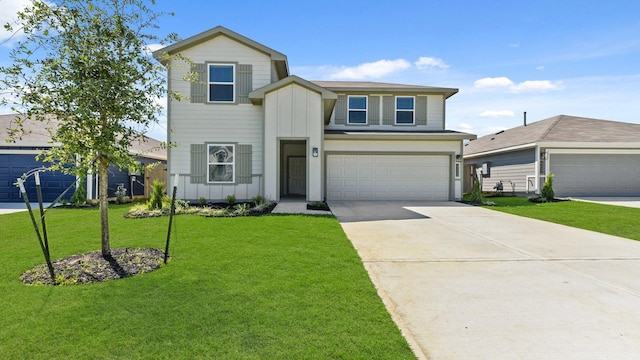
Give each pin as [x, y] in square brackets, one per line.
[405, 110]
[221, 163]
[357, 110]
[222, 82]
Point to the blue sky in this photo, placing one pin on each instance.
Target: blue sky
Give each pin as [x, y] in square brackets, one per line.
[544, 57]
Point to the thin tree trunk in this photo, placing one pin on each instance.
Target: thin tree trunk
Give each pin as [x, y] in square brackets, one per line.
[104, 207]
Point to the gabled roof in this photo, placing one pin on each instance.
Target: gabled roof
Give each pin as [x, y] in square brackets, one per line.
[328, 97]
[37, 136]
[279, 59]
[378, 87]
[558, 129]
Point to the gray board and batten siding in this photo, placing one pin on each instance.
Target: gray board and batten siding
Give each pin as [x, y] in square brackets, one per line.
[508, 167]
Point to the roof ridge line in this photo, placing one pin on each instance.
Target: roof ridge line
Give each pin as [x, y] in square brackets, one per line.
[550, 128]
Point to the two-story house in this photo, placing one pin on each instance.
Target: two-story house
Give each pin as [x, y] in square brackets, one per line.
[249, 128]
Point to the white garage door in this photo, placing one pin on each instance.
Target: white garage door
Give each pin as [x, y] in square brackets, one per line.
[388, 177]
[596, 175]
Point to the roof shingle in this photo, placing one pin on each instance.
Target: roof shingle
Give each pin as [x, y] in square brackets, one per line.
[561, 128]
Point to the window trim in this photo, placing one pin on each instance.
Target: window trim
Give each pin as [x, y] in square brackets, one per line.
[209, 163]
[412, 111]
[233, 83]
[365, 110]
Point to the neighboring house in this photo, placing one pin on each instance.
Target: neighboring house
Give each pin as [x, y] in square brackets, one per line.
[251, 128]
[19, 157]
[588, 157]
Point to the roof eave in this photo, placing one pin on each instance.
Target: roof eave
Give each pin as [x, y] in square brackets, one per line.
[453, 136]
[501, 150]
[446, 92]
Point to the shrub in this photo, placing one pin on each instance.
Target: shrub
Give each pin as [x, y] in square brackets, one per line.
[209, 212]
[231, 199]
[547, 189]
[157, 193]
[241, 209]
[80, 195]
[139, 211]
[476, 194]
[261, 207]
[181, 206]
[258, 200]
[202, 201]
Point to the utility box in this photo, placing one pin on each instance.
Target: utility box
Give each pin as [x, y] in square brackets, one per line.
[486, 169]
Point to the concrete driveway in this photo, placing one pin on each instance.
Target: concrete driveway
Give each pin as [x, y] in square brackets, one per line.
[464, 282]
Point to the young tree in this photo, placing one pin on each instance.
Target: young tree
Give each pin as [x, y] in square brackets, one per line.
[85, 67]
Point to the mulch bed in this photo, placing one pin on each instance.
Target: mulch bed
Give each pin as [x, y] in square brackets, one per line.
[318, 205]
[92, 267]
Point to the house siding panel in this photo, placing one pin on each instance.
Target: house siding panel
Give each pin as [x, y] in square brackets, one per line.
[292, 112]
[512, 167]
[435, 112]
[429, 113]
[194, 123]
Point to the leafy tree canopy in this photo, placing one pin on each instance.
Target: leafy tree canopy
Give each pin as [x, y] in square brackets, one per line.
[85, 66]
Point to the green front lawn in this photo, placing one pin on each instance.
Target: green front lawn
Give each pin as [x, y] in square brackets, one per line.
[607, 219]
[271, 287]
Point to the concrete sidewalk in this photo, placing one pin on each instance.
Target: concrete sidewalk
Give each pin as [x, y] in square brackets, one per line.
[464, 282]
[296, 207]
[8, 208]
[617, 201]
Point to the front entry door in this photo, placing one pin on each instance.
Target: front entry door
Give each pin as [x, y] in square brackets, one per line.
[297, 176]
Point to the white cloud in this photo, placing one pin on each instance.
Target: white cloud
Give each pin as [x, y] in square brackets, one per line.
[490, 82]
[541, 67]
[537, 86]
[496, 113]
[525, 86]
[8, 14]
[425, 62]
[372, 70]
[150, 48]
[514, 45]
[463, 127]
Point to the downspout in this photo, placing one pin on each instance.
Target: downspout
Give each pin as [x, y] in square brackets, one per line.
[536, 181]
[547, 162]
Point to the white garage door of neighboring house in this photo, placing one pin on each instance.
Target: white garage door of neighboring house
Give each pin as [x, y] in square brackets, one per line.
[388, 177]
[595, 175]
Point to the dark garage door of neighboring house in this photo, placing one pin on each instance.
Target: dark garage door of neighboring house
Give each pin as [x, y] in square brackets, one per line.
[13, 166]
[596, 174]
